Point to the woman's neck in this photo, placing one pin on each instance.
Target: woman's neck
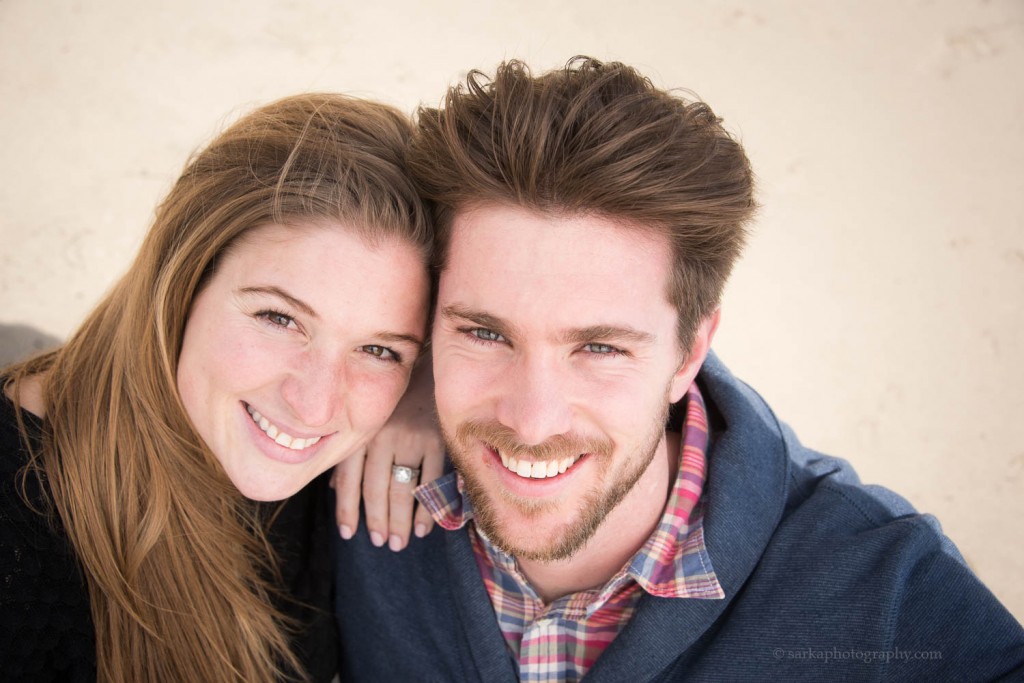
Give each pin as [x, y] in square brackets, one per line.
[30, 395]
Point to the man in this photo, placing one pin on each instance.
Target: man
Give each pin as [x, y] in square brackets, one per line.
[587, 224]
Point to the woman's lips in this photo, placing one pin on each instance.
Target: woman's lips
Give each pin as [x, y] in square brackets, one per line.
[279, 436]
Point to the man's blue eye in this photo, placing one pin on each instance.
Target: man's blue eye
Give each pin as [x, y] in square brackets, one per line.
[487, 335]
[601, 348]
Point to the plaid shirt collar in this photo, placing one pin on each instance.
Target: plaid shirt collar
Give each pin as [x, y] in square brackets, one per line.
[673, 562]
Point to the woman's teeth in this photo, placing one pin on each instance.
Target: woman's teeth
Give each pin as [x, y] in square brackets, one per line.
[279, 437]
[538, 469]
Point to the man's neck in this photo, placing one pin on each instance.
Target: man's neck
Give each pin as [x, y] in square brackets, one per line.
[622, 533]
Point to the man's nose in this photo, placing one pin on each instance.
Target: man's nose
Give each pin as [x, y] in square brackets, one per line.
[534, 399]
[315, 389]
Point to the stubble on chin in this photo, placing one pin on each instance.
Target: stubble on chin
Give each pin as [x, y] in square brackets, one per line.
[582, 523]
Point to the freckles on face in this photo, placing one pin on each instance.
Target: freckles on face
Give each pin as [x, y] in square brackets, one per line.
[297, 350]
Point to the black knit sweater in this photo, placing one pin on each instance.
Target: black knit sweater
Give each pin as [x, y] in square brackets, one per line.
[46, 630]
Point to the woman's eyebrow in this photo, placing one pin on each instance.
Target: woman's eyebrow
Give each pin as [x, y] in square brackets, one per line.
[278, 292]
[396, 337]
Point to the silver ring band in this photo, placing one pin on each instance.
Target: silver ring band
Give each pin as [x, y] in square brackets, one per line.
[405, 475]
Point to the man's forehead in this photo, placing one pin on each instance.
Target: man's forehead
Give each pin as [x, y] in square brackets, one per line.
[562, 272]
[507, 236]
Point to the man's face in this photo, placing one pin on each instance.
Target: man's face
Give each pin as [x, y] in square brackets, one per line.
[555, 357]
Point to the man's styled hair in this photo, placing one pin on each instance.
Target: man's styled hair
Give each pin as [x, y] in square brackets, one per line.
[593, 138]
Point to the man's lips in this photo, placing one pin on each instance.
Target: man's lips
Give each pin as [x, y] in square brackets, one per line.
[536, 469]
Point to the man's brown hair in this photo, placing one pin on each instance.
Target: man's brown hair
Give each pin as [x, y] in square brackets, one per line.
[593, 138]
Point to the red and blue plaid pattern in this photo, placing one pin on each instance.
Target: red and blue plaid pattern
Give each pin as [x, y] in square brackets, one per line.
[560, 641]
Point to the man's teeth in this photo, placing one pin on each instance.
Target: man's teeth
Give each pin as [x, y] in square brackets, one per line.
[282, 438]
[538, 469]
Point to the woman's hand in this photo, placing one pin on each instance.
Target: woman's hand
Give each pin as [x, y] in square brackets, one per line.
[411, 438]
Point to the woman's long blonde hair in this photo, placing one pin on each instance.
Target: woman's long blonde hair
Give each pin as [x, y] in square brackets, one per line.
[176, 562]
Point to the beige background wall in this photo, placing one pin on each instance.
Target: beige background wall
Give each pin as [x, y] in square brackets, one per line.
[879, 305]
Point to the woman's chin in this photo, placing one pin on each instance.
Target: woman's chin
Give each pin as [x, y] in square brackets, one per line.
[269, 492]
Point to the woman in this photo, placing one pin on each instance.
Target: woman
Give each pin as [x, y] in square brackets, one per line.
[264, 333]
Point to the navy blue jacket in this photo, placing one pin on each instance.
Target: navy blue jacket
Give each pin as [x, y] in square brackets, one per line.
[825, 579]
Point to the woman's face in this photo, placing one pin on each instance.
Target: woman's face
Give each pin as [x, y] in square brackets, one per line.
[297, 350]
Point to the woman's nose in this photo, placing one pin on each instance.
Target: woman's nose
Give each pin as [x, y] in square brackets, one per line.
[315, 391]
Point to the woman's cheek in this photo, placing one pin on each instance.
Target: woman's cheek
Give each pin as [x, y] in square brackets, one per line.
[374, 396]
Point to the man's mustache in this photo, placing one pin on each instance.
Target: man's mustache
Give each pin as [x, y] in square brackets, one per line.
[504, 440]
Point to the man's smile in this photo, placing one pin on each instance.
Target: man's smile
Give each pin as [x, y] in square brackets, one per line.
[537, 469]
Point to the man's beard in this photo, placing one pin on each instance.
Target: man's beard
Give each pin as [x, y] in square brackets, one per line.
[594, 505]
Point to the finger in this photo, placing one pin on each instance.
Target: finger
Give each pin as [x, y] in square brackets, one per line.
[400, 522]
[433, 468]
[422, 521]
[376, 482]
[347, 481]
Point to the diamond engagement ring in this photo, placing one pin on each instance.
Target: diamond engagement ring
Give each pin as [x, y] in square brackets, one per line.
[403, 474]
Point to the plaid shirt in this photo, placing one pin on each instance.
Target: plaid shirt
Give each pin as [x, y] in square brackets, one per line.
[560, 641]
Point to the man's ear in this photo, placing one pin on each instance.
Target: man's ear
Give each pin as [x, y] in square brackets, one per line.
[683, 377]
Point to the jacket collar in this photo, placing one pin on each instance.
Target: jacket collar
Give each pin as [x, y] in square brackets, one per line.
[744, 498]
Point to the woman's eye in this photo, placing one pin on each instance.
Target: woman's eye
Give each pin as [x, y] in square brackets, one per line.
[278, 319]
[486, 335]
[601, 349]
[382, 352]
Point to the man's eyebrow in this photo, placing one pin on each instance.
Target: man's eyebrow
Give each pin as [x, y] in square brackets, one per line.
[611, 333]
[278, 292]
[582, 335]
[477, 318]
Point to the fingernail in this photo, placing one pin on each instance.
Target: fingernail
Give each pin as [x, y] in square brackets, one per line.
[346, 531]
[395, 543]
[376, 539]
[420, 531]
